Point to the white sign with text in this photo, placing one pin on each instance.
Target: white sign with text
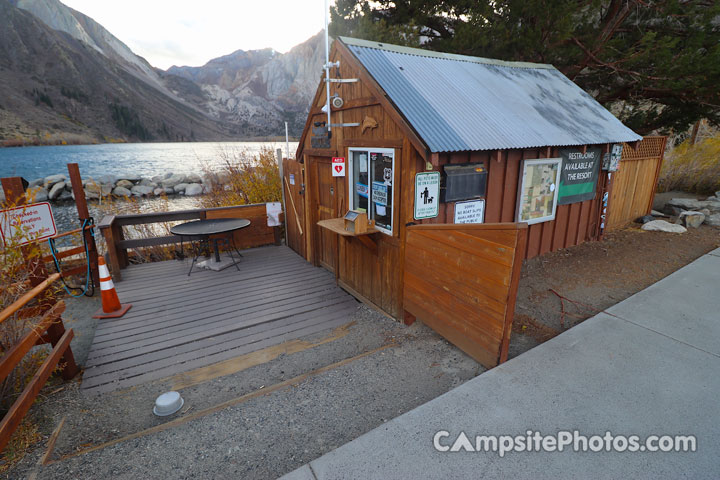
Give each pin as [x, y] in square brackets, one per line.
[338, 166]
[427, 195]
[470, 212]
[27, 223]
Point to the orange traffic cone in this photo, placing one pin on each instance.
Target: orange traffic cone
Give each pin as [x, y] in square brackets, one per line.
[111, 306]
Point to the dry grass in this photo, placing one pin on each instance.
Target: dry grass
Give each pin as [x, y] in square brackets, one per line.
[692, 168]
[243, 179]
[26, 435]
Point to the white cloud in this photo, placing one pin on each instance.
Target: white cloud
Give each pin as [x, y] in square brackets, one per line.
[191, 32]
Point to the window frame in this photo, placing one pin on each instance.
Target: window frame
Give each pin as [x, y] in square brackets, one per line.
[351, 182]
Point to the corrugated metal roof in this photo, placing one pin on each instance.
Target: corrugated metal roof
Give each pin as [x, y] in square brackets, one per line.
[460, 103]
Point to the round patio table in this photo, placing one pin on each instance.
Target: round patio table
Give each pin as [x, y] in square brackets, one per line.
[202, 230]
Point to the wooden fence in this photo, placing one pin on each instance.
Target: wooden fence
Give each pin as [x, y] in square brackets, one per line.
[37, 303]
[111, 226]
[462, 280]
[633, 186]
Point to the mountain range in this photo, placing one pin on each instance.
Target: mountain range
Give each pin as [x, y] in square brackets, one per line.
[64, 77]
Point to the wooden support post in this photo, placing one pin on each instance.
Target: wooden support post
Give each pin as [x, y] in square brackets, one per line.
[84, 214]
[55, 333]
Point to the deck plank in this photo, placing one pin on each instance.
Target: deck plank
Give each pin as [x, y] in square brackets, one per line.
[179, 323]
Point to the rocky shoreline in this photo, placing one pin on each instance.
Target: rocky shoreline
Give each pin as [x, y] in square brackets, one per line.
[57, 188]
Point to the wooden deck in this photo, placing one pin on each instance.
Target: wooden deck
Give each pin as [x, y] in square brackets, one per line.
[179, 323]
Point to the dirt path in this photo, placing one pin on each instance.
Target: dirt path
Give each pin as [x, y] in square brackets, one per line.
[597, 275]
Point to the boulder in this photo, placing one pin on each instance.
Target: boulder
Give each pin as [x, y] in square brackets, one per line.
[173, 180]
[53, 179]
[157, 179]
[146, 182]
[141, 190]
[717, 194]
[158, 191]
[194, 189]
[180, 187]
[127, 184]
[131, 177]
[93, 187]
[655, 213]
[90, 194]
[56, 190]
[644, 219]
[193, 178]
[64, 196]
[691, 219]
[111, 179]
[38, 194]
[713, 220]
[663, 226]
[121, 191]
[37, 182]
[169, 190]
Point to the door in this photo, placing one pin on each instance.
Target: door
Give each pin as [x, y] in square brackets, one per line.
[294, 185]
[326, 208]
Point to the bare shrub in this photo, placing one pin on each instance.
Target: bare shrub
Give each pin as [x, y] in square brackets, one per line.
[242, 179]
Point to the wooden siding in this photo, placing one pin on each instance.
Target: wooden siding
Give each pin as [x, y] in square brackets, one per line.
[179, 323]
[633, 185]
[574, 223]
[257, 234]
[461, 280]
[377, 276]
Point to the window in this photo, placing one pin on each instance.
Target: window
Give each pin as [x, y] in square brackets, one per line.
[371, 184]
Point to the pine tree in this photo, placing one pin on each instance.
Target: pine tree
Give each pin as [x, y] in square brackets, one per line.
[655, 63]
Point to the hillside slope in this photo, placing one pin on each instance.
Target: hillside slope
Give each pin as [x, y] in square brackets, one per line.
[54, 87]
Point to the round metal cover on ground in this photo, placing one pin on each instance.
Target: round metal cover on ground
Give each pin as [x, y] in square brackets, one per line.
[209, 227]
[168, 403]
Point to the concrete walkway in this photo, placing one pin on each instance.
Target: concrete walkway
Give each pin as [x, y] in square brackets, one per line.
[649, 365]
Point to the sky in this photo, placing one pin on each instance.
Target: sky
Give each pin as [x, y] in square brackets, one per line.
[191, 32]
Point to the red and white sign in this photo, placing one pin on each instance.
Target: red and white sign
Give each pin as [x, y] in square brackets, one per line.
[338, 166]
[27, 223]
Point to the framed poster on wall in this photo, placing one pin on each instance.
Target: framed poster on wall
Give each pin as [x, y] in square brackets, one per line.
[538, 190]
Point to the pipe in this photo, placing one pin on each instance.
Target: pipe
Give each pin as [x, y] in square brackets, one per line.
[327, 66]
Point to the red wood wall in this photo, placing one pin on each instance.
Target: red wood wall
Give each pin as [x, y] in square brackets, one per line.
[573, 224]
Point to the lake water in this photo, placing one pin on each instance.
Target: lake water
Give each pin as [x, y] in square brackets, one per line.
[145, 159]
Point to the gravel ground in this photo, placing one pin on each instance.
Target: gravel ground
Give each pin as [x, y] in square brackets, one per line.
[263, 437]
[275, 432]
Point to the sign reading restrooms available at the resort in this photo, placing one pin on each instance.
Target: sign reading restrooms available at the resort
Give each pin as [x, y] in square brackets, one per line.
[579, 174]
[28, 223]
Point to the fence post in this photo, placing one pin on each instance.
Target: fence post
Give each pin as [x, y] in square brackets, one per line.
[278, 153]
[84, 214]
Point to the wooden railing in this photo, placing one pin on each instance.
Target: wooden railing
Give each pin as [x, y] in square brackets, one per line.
[50, 329]
[111, 226]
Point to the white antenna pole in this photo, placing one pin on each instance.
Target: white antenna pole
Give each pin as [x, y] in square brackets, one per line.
[287, 142]
[327, 66]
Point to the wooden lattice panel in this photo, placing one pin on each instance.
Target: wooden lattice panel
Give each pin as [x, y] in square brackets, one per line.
[649, 147]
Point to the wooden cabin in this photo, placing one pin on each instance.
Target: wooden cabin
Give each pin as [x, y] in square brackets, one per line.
[425, 137]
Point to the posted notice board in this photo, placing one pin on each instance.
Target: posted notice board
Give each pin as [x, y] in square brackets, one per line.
[427, 195]
[579, 174]
[27, 223]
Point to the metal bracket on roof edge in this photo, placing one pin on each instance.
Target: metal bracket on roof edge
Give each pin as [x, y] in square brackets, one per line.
[339, 125]
[342, 80]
